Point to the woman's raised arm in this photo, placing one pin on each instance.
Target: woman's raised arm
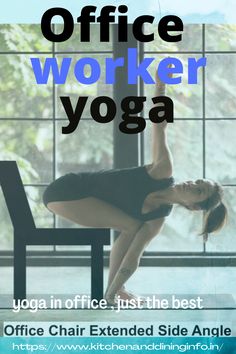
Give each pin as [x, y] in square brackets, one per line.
[161, 156]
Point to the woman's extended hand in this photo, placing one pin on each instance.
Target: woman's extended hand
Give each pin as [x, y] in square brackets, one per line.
[160, 85]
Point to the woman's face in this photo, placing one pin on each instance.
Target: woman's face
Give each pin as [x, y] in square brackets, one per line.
[193, 192]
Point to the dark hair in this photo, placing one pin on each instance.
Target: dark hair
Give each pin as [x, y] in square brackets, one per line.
[216, 215]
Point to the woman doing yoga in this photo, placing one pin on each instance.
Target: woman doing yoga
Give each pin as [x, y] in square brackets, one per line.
[134, 201]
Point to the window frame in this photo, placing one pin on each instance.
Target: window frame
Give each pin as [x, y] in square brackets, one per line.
[135, 145]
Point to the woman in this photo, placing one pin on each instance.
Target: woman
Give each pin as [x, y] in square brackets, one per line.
[134, 201]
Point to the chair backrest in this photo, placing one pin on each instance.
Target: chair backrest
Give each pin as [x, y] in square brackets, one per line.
[15, 196]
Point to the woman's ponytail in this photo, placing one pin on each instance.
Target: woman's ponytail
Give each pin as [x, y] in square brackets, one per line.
[215, 219]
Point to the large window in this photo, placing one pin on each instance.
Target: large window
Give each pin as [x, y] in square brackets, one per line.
[31, 118]
[201, 139]
[203, 135]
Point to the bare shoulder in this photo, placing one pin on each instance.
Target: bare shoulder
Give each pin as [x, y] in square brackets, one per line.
[159, 170]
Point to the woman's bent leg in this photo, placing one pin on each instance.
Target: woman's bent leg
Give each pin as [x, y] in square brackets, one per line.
[94, 212]
[118, 252]
[132, 257]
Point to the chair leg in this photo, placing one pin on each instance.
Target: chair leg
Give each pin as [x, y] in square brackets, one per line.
[19, 269]
[97, 271]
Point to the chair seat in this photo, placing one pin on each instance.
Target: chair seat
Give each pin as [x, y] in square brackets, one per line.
[63, 236]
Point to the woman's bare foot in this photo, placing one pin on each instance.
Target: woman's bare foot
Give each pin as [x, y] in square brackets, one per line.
[124, 295]
[110, 299]
[127, 295]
